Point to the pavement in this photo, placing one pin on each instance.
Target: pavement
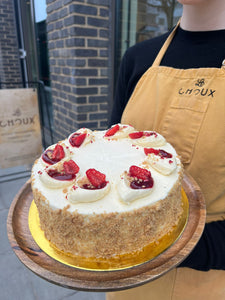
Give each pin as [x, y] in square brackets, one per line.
[16, 281]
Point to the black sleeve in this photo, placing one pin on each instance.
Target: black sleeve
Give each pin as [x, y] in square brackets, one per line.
[136, 60]
[120, 99]
[209, 252]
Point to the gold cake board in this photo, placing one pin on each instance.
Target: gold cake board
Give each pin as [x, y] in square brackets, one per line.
[100, 264]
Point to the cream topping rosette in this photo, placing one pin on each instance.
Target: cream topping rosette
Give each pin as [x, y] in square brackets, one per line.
[161, 161]
[147, 138]
[135, 184]
[119, 131]
[87, 190]
[111, 157]
[60, 175]
[80, 138]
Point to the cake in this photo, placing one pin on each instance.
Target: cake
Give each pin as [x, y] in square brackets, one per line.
[108, 193]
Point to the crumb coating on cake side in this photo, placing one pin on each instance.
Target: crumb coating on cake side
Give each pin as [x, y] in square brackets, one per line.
[108, 235]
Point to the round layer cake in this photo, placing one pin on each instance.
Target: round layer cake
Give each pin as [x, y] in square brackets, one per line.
[108, 193]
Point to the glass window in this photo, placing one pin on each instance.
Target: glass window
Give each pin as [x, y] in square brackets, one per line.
[138, 20]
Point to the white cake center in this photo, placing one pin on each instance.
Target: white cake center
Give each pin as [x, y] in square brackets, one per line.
[113, 158]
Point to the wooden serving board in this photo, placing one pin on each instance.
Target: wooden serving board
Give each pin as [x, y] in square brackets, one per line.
[51, 270]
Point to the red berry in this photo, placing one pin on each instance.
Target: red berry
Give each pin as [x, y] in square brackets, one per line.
[58, 153]
[142, 178]
[70, 167]
[96, 178]
[151, 150]
[77, 139]
[140, 173]
[112, 130]
[160, 152]
[136, 135]
[53, 156]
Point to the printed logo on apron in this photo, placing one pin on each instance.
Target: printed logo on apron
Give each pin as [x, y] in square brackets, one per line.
[205, 92]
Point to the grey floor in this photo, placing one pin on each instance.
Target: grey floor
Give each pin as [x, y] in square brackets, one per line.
[16, 281]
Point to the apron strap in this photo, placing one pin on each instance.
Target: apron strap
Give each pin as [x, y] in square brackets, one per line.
[166, 44]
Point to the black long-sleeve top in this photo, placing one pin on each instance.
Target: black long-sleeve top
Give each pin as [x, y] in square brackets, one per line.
[187, 50]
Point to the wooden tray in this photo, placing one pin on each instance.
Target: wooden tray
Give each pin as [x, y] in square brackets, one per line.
[44, 266]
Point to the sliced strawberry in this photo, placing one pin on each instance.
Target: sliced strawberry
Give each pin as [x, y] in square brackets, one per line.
[142, 178]
[139, 173]
[53, 156]
[58, 153]
[112, 130]
[70, 167]
[151, 150]
[77, 139]
[96, 178]
[136, 135]
[162, 153]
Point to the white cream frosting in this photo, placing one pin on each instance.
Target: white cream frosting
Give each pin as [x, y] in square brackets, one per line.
[112, 157]
[128, 195]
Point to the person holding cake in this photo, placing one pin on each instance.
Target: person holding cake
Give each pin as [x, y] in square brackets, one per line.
[174, 84]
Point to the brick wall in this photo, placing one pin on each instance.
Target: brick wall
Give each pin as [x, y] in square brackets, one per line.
[80, 63]
[10, 70]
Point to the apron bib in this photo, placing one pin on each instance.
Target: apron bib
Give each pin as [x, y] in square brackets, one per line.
[187, 106]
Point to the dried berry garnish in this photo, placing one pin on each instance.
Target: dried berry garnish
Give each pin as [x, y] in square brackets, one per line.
[140, 134]
[160, 152]
[70, 167]
[96, 178]
[58, 153]
[136, 135]
[140, 173]
[77, 139]
[53, 156]
[141, 178]
[112, 131]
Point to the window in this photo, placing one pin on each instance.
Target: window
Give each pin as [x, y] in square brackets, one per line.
[138, 20]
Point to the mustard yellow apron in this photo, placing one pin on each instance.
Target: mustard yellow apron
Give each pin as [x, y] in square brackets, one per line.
[187, 106]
